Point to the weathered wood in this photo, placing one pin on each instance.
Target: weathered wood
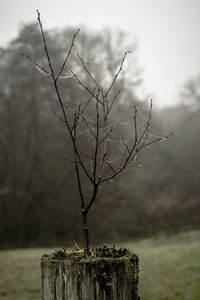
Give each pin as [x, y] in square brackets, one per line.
[100, 279]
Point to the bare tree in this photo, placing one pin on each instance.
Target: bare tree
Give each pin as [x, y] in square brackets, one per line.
[191, 93]
[94, 163]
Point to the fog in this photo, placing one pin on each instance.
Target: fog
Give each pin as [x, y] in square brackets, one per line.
[167, 31]
[40, 203]
[99, 139]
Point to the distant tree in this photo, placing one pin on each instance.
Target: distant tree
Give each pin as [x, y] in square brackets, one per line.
[27, 128]
[191, 93]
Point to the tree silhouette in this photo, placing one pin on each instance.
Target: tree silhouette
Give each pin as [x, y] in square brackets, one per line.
[97, 162]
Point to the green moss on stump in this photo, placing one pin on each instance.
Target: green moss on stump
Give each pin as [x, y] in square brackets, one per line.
[71, 276]
[97, 252]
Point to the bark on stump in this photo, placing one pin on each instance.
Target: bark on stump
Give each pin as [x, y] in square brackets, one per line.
[100, 279]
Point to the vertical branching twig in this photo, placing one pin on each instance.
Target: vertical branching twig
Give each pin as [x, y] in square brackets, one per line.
[117, 74]
[54, 78]
[68, 54]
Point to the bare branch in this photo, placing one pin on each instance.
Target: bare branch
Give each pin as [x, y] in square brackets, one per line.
[77, 167]
[60, 98]
[146, 129]
[109, 164]
[54, 112]
[114, 99]
[68, 54]
[66, 159]
[87, 71]
[87, 103]
[117, 74]
[86, 87]
[127, 148]
[135, 124]
[45, 45]
[38, 67]
[159, 139]
[97, 141]
[88, 127]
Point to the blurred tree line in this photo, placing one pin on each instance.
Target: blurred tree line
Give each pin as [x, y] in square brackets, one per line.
[39, 202]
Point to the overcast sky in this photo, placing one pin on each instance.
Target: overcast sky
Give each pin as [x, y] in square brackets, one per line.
[168, 32]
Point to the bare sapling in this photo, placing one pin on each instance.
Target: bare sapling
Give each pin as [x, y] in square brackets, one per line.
[97, 162]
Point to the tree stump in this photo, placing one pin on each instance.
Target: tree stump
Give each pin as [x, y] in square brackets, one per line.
[98, 279]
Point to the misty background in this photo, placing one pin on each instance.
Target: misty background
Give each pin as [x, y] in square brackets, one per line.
[39, 201]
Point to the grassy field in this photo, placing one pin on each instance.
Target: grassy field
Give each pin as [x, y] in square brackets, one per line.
[169, 269]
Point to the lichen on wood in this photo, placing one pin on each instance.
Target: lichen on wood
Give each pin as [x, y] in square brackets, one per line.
[95, 278]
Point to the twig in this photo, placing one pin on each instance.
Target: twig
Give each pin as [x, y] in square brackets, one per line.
[38, 67]
[68, 54]
[60, 99]
[117, 74]
[87, 71]
[86, 87]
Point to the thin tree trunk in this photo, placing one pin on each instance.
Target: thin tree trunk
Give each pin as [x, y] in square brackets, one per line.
[85, 234]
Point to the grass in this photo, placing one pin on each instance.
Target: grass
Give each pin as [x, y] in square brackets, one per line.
[169, 269]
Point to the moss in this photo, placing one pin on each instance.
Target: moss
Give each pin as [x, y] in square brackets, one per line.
[97, 253]
[63, 255]
[107, 252]
[74, 277]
